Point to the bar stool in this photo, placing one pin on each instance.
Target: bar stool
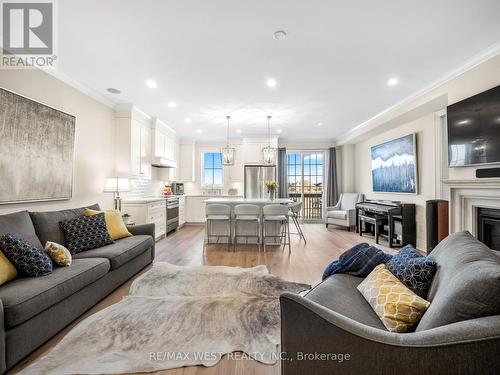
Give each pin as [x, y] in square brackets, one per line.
[218, 213]
[246, 213]
[295, 209]
[276, 213]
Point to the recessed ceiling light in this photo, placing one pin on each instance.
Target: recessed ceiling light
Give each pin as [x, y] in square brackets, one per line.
[279, 131]
[393, 81]
[320, 124]
[151, 83]
[463, 122]
[279, 35]
[271, 82]
[172, 104]
[198, 131]
[187, 119]
[238, 131]
[112, 90]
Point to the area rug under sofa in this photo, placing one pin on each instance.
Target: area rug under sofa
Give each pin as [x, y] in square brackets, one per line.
[176, 316]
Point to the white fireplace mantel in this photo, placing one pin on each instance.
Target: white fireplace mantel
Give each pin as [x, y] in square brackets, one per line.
[466, 196]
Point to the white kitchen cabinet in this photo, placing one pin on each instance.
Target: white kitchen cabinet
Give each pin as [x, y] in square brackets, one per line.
[182, 210]
[195, 209]
[163, 142]
[133, 142]
[147, 212]
[187, 158]
[252, 149]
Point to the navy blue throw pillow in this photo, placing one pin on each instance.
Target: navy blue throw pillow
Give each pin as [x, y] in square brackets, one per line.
[86, 233]
[29, 260]
[413, 269]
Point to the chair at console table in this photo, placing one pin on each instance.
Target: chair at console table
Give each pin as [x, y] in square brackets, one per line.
[376, 221]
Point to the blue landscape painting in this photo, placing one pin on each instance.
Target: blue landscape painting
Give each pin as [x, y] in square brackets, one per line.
[394, 166]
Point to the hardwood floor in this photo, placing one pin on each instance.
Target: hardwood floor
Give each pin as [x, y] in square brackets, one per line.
[305, 264]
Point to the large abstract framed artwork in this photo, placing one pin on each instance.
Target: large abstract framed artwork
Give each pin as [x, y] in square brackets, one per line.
[36, 150]
[394, 166]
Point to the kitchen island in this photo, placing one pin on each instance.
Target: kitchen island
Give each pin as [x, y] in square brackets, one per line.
[272, 229]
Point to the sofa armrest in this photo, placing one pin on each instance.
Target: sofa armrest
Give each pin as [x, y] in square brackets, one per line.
[146, 230]
[3, 366]
[309, 327]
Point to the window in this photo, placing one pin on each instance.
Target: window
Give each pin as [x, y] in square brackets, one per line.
[212, 169]
[305, 182]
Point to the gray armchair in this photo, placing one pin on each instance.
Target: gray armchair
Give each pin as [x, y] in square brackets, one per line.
[459, 333]
[344, 212]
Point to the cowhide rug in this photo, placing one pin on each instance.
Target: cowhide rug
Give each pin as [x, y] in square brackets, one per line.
[176, 316]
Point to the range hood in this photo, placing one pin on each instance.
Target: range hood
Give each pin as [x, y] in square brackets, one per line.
[160, 162]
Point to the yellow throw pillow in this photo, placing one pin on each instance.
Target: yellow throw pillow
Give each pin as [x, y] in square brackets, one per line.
[116, 227]
[396, 305]
[7, 271]
[58, 253]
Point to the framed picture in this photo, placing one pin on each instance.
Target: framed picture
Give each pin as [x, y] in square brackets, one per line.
[36, 150]
[394, 166]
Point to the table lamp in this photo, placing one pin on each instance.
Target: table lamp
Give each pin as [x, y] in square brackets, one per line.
[116, 185]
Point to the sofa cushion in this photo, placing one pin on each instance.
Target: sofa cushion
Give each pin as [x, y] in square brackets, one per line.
[29, 260]
[86, 233]
[337, 214]
[339, 293]
[119, 252]
[466, 284]
[23, 298]
[20, 225]
[47, 223]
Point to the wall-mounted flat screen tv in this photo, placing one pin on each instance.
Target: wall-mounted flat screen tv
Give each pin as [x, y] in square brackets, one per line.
[474, 130]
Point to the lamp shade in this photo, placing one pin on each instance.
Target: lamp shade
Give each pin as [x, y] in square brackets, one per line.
[117, 185]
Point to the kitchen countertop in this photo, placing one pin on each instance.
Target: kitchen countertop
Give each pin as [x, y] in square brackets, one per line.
[248, 200]
[142, 200]
[214, 195]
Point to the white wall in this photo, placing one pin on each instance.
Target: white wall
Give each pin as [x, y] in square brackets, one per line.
[424, 128]
[95, 132]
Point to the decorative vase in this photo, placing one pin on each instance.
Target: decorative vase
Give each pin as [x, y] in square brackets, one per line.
[271, 195]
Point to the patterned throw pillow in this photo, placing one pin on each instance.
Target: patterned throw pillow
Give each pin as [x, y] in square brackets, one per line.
[58, 253]
[28, 259]
[114, 222]
[396, 305]
[86, 233]
[413, 269]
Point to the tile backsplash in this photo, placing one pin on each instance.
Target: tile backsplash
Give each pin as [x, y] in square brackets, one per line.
[150, 186]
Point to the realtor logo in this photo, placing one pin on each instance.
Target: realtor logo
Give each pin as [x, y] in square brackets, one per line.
[28, 34]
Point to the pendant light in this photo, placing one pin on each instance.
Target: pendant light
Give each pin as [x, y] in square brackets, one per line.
[269, 153]
[227, 152]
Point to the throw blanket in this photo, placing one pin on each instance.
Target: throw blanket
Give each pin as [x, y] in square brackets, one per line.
[359, 260]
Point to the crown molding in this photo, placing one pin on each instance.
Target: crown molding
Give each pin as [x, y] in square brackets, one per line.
[469, 64]
[94, 94]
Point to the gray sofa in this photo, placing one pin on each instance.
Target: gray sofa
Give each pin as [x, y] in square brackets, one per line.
[32, 310]
[334, 318]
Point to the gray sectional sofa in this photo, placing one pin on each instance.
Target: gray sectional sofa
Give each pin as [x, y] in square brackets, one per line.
[32, 310]
[459, 333]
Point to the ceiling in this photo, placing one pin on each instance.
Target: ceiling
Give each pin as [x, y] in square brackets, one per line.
[213, 58]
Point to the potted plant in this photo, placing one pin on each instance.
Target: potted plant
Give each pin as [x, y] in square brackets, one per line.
[271, 188]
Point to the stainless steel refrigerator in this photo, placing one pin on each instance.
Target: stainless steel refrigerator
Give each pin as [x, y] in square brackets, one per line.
[255, 178]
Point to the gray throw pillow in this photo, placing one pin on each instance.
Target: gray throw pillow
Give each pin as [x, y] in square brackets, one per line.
[466, 284]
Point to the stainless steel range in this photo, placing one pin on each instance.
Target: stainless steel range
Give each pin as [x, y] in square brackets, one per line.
[172, 213]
